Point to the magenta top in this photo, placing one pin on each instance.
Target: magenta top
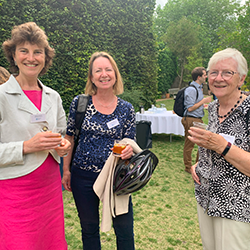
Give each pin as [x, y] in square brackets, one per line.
[35, 96]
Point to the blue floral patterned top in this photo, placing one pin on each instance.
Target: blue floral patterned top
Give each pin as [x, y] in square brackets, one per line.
[97, 135]
[224, 190]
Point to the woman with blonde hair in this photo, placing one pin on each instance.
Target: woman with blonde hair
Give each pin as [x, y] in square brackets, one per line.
[107, 118]
[4, 75]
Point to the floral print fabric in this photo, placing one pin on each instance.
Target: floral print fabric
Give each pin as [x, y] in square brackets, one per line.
[96, 136]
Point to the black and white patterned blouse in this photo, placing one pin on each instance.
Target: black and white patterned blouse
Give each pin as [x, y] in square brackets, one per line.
[224, 190]
[96, 136]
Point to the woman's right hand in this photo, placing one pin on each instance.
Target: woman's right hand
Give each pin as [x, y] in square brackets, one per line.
[42, 141]
[66, 180]
[194, 175]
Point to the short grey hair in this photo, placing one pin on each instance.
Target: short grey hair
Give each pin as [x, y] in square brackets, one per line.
[230, 53]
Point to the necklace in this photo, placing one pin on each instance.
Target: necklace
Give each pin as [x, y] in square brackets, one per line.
[231, 110]
[105, 106]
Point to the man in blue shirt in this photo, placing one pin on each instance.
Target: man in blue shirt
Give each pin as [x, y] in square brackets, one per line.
[194, 111]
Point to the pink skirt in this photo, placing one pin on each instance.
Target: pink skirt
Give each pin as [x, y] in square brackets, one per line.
[31, 210]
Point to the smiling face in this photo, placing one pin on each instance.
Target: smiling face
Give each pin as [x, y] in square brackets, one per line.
[225, 88]
[30, 59]
[103, 74]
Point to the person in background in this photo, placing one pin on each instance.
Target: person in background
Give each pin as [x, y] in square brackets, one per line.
[222, 174]
[4, 75]
[31, 214]
[194, 111]
[209, 92]
[107, 118]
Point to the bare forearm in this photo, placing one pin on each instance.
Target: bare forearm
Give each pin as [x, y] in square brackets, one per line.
[239, 158]
[198, 104]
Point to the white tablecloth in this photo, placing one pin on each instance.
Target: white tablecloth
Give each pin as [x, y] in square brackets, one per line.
[164, 122]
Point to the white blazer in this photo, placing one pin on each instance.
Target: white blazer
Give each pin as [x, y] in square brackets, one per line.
[16, 127]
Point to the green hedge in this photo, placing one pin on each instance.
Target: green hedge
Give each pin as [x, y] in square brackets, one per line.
[77, 28]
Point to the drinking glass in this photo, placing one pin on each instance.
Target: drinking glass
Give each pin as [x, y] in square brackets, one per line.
[118, 147]
[200, 125]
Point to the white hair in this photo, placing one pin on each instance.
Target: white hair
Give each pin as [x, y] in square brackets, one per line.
[230, 53]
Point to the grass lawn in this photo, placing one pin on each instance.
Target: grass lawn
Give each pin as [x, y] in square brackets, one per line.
[165, 215]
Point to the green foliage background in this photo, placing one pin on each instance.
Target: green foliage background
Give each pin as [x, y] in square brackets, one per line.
[213, 25]
[146, 43]
[77, 28]
[210, 15]
[167, 65]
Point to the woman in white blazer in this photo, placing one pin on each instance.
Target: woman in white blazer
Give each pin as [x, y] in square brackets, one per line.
[30, 183]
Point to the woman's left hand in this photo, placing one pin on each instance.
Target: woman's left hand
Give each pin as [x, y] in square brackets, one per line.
[207, 139]
[64, 148]
[127, 152]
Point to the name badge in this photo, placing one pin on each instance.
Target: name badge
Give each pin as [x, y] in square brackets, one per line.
[113, 123]
[229, 138]
[38, 118]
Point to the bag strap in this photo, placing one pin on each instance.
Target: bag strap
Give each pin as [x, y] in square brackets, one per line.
[80, 114]
[195, 100]
[196, 91]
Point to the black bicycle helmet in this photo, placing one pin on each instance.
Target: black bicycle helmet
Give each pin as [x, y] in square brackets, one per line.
[133, 174]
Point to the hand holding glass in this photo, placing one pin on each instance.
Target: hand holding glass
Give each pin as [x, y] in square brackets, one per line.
[55, 134]
[118, 147]
[58, 131]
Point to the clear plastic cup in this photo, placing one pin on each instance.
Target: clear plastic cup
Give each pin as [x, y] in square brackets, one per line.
[200, 125]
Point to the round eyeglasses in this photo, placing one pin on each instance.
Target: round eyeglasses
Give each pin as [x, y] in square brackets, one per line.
[226, 75]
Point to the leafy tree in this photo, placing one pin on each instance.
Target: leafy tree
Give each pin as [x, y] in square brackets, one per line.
[167, 68]
[239, 36]
[210, 15]
[182, 40]
[194, 60]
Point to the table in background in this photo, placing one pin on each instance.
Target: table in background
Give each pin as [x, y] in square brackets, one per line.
[164, 122]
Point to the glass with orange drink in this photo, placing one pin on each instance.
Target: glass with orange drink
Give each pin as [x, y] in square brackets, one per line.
[118, 147]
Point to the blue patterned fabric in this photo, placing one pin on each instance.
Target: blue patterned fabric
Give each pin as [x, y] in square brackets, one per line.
[224, 190]
[96, 139]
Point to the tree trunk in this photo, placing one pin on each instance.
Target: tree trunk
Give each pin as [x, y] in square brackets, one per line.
[181, 76]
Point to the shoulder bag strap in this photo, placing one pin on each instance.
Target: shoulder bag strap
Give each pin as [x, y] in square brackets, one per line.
[80, 114]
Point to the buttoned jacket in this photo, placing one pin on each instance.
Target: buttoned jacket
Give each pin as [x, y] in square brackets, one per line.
[17, 126]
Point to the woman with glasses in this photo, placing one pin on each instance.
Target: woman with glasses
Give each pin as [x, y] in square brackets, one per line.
[222, 174]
